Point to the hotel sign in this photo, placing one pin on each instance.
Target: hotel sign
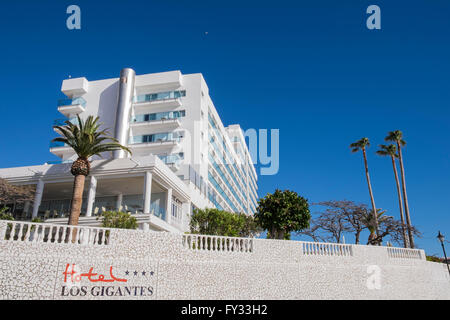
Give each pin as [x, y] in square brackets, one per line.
[84, 281]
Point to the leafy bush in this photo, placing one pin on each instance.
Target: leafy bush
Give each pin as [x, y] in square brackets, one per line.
[283, 212]
[434, 259]
[5, 215]
[223, 223]
[119, 220]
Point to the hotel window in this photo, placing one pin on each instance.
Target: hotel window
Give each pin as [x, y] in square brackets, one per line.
[176, 208]
[160, 96]
[160, 116]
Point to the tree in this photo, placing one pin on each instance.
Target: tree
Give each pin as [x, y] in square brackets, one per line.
[87, 140]
[223, 223]
[118, 219]
[13, 195]
[334, 224]
[368, 219]
[392, 228]
[362, 144]
[313, 232]
[250, 226]
[348, 214]
[5, 215]
[391, 150]
[283, 212]
[397, 137]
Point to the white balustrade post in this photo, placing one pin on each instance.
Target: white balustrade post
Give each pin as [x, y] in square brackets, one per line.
[38, 198]
[147, 191]
[3, 227]
[91, 196]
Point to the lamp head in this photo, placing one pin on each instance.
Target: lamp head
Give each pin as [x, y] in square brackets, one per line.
[441, 237]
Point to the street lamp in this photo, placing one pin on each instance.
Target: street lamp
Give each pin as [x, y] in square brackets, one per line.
[441, 239]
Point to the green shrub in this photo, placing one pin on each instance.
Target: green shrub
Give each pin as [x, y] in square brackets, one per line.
[5, 215]
[119, 220]
[223, 223]
[433, 259]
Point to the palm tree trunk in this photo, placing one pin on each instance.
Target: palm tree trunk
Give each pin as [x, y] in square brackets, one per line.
[375, 217]
[400, 203]
[405, 197]
[77, 199]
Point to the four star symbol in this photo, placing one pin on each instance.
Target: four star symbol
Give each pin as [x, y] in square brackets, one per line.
[144, 273]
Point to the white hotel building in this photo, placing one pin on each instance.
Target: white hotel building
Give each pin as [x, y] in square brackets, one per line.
[183, 157]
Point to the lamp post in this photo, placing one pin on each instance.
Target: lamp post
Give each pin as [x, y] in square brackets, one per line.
[441, 239]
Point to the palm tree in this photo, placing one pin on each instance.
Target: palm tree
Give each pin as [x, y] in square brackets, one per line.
[397, 137]
[368, 220]
[391, 150]
[87, 140]
[362, 144]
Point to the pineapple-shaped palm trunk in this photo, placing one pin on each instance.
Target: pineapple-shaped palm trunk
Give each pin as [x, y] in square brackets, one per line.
[80, 169]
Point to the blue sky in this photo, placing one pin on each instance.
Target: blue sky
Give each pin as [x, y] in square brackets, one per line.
[309, 68]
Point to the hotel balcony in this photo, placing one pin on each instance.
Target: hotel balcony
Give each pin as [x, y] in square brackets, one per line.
[157, 101]
[69, 107]
[146, 126]
[172, 161]
[62, 123]
[154, 143]
[75, 87]
[60, 149]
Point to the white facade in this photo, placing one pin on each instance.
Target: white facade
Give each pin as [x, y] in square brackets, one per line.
[182, 155]
[34, 258]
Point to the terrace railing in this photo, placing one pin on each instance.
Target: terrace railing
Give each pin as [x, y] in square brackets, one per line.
[217, 243]
[326, 249]
[51, 233]
[30, 232]
[404, 253]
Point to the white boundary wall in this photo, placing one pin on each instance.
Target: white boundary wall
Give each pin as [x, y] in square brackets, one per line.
[37, 260]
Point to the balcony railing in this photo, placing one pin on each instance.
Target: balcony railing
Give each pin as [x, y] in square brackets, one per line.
[155, 138]
[159, 96]
[62, 122]
[158, 211]
[72, 102]
[57, 144]
[161, 116]
[170, 159]
[59, 161]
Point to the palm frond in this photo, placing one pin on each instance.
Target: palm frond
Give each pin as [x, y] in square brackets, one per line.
[86, 138]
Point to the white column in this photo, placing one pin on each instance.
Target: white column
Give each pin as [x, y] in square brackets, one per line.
[147, 191]
[169, 205]
[185, 219]
[119, 202]
[91, 196]
[26, 207]
[37, 198]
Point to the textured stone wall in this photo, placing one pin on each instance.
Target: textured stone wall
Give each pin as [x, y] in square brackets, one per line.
[157, 265]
